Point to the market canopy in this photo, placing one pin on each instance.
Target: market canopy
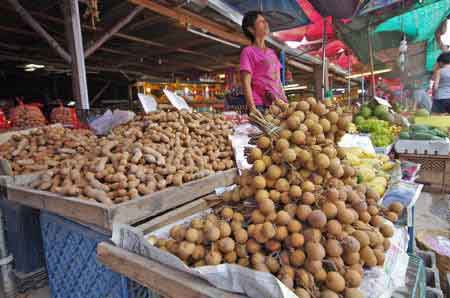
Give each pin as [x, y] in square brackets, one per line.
[420, 25]
[281, 14]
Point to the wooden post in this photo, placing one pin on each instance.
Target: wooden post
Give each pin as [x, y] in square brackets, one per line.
[79, 81]
[116, 28]
[41, 31]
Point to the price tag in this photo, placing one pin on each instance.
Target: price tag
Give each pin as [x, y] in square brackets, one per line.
[177, 101]
[357, 141]
[148, 103]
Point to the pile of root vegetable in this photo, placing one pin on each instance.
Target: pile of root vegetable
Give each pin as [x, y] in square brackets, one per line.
[298, 213]
[148, 154]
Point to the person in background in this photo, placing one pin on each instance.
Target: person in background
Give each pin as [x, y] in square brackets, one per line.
[259, 65]
[441, 87]
[420, 97]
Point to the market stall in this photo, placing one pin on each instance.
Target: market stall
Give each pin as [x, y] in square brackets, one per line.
[147, 239]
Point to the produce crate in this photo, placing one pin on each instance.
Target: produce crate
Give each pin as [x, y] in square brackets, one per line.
[434, 172]
[434, 147]
[73, 271]
[129, 212]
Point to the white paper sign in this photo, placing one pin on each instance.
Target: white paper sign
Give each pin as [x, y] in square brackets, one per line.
[357, 141]
[177, 101]
[382, 101]
[148, 102]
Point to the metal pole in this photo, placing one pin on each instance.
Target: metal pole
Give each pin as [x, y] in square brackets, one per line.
[372, 75]
[283, 65]
[349, 81]
[79, 54]
[324, 57]
[363, 90]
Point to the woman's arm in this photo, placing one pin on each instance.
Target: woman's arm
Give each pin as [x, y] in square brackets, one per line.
[246, 80]
[437, 77]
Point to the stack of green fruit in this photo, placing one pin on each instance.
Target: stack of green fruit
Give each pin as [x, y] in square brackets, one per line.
[379, 130]
[422, 132]
[373, 111]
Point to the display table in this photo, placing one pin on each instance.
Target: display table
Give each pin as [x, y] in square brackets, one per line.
[168, 282]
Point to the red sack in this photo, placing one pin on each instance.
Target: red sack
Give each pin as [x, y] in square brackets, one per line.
[65, 116]
[3, 122]
[27, 115]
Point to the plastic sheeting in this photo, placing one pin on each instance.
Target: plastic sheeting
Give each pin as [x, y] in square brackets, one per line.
[420, 25]
[281, 14]
[372, 5]
[336, 8]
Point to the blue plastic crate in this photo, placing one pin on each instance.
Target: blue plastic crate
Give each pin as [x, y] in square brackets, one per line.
[23, 237]
[73, 270]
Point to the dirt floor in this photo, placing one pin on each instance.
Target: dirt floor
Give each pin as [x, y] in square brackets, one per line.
[432, 211]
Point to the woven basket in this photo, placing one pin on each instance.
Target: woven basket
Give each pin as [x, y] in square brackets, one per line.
[443, 261]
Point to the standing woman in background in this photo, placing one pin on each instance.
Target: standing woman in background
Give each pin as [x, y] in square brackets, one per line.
[259, 65]
[441, 87]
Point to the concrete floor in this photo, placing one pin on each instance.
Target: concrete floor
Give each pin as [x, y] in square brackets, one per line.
[432, 211]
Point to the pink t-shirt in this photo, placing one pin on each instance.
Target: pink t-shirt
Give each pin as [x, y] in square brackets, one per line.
[264, 67]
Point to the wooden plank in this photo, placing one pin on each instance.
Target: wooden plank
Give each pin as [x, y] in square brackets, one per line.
[168, 282]
[153, 204]
[73, 208]
[179, 213]
[130, 212]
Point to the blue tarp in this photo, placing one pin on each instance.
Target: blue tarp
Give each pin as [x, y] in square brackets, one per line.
[281, 14]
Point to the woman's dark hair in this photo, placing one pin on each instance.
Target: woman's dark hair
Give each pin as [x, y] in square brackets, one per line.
[444, 58]
[249, 21]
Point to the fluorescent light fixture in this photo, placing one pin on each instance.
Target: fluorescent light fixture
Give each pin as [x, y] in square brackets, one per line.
[37, 66]
[29, 69]
[296, 88]
[291, 86]
[213, 38]
[71, 103]
[222, 76]
[359, 75]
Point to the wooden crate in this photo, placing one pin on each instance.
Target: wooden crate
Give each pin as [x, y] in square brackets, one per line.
[434, 172]
[130, 212]
[164, 280]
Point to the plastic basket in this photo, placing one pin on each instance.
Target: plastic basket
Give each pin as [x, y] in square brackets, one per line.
[73, 270]
[23, 237]
[416, 277]
[434, 172]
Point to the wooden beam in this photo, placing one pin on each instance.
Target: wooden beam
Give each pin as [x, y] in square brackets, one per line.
[142, 41]
[41, 31]
[188, 18]
[116, 28]
[168, 282]
[100, 93]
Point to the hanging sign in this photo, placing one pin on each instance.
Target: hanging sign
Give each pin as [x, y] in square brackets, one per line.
[177, 101]
[148, 103]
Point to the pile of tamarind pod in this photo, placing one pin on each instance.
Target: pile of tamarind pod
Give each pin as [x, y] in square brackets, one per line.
[146, 155]
[45, 148]
[26, 116]
[299, 213]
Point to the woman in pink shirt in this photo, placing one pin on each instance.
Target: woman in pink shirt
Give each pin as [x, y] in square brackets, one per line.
[260, 67]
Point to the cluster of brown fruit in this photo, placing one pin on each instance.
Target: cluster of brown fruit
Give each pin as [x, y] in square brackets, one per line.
[298, 213]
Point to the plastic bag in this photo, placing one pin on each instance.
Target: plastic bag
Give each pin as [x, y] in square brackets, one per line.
[27, 115]
[65, 116]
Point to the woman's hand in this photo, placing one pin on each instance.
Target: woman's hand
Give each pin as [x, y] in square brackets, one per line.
[246, 80]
